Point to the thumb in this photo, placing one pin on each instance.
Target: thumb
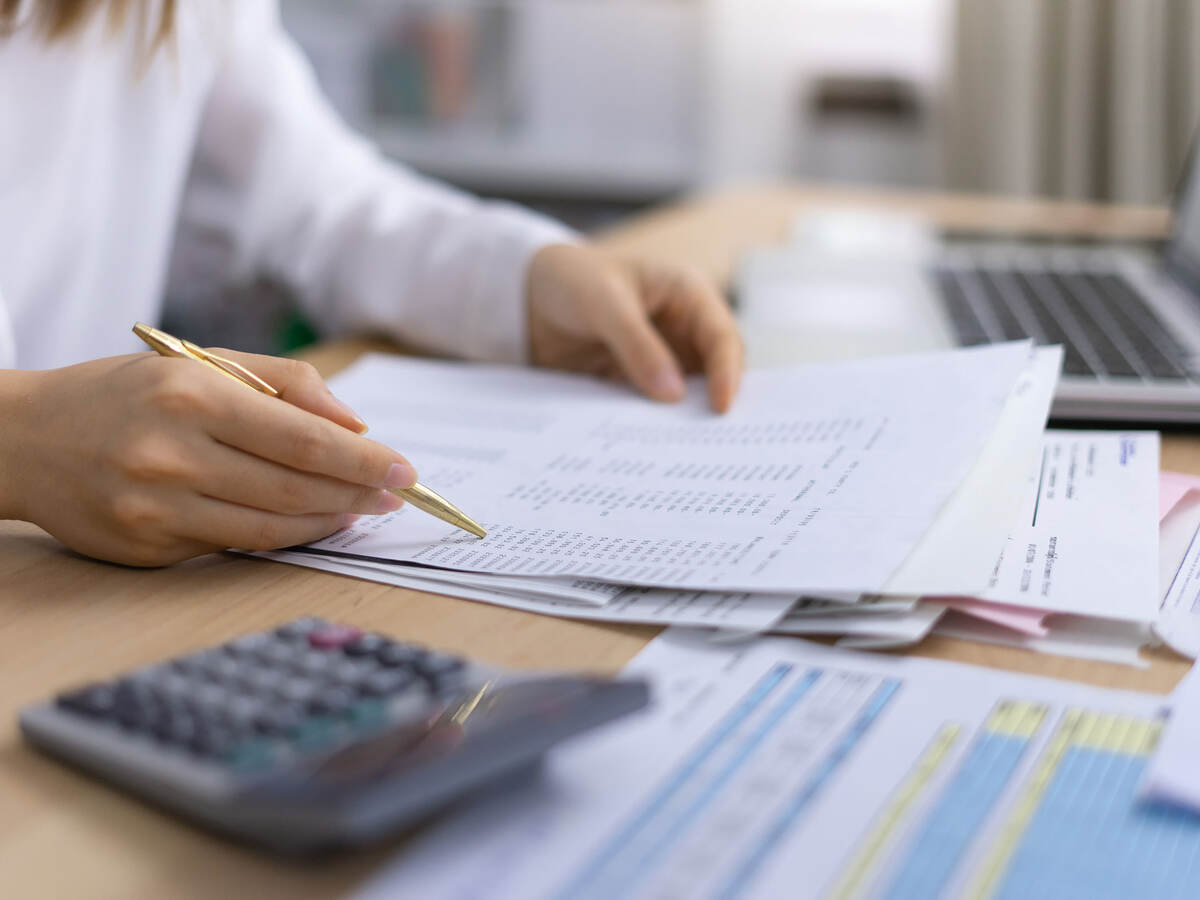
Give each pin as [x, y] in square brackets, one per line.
[641, 351]
[300, 384]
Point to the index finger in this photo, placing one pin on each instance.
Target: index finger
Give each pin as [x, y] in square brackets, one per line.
[278, 431]
[716, 338]
[299, 384]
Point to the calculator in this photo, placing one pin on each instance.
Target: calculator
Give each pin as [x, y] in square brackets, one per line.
[316, 735]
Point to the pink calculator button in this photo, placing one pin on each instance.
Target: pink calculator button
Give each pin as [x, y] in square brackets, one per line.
[329, 637]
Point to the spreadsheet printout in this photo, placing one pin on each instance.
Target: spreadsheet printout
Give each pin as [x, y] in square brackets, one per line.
[785, 769]
[821, 478]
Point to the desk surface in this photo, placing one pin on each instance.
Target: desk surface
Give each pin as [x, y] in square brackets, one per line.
[65, 619]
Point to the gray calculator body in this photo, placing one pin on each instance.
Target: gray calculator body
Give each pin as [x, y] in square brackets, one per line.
[359, 737]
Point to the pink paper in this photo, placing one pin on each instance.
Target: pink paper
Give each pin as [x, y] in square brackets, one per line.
[1173, 487]
[1018, 618]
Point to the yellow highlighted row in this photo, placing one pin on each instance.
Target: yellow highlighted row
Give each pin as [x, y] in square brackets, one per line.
[891, 815]
[1109, 732]
[1016, 718]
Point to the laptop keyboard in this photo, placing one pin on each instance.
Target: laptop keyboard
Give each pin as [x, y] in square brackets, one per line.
[1103, 323]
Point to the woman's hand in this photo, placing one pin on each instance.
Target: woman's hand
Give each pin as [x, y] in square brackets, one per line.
[146, 461]
[650, 322]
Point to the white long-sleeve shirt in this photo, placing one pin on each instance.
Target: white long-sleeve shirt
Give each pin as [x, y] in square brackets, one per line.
[108, 160]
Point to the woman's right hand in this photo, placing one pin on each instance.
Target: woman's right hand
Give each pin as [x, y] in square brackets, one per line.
[146, 461]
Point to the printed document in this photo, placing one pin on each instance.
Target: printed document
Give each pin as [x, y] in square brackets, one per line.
[821, 478]
[1087, 540]
[734, 610]
[786, 769]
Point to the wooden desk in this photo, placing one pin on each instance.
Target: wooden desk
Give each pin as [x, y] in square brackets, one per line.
[65, 619]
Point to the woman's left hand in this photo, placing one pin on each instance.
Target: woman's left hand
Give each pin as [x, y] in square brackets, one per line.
[651, 322]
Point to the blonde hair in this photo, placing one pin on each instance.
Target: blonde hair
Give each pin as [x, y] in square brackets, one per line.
[61, 18]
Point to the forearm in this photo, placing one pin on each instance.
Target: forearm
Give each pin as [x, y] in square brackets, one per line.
[16, 407]
[366, 245]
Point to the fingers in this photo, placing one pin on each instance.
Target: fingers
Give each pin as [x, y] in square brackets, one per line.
[230, 525]
[237, 477]
[641, 351]
[300, 385]
[716, 338]
[292, 437]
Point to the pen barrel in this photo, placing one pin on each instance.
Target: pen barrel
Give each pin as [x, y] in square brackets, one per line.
[435, 504]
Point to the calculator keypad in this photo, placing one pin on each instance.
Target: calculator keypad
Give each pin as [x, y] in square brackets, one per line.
[271, 696]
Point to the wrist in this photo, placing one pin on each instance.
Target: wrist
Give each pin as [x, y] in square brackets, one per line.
[17, 391]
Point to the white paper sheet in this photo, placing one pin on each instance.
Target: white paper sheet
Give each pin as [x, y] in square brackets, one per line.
[1102, 640]
[1173, 775]
[867, 605]
[716, 609]
[1088, 539]
[783, 769]
[822, 478]
[915, 627]
[1178, 624]
[573, 590]
[956, 554]
[889, 629]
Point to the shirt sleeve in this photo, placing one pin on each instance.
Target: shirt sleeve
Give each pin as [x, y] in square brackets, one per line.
[366, 244]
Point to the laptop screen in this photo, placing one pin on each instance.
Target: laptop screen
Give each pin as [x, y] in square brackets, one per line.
[1183, 251]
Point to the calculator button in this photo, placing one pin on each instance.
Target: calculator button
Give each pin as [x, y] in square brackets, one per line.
[300, 628]
[276, 719]
[396, 655]
[331, 637]
[241, 713]
[444, 673]
[315, 663]
[135, 715]
[365, 645]
[332, 701]
[195, 663]
[440, 664]
[222, 667]
[264, 681]
[97, 700]
[177, 727]
[387, 682]
[298, 690]
[277, 653]
[131, 692]
[209, 696]
[249, 645]
[351, 672]
[173, 687]
[210, 741]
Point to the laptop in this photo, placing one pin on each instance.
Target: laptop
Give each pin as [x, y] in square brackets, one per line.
[1128, 319]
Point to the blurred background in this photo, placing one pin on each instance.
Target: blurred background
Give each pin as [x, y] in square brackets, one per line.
[594, 109]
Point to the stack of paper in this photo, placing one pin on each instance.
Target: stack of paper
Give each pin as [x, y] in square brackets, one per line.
[877, 499]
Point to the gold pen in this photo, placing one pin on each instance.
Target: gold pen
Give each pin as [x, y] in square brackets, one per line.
[418, 495]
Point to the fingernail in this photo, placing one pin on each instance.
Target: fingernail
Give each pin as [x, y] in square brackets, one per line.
[345, 521]
[400, 475]
[361, 425]
[669, 384]
[388, 502]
